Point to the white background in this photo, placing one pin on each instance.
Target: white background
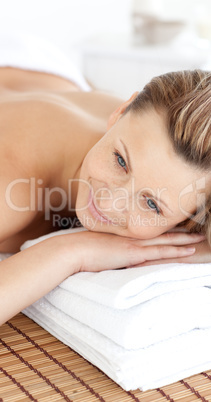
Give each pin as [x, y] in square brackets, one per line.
[70, 22]
[73, 24]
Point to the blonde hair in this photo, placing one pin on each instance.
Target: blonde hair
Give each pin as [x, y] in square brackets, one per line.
[185, 96]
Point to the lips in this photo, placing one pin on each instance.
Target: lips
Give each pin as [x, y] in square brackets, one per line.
[95, 212]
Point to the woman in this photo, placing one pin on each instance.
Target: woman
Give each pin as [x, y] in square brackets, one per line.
[128, 171]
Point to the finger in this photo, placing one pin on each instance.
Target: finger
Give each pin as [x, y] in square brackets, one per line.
[151, 253]
[163, 261]
[174, 238]
[185, 238]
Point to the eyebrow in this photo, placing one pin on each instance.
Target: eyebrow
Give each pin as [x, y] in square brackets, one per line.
[128, 156]
[130, 167]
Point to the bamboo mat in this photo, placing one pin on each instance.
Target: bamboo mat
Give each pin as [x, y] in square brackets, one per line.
[35, 366]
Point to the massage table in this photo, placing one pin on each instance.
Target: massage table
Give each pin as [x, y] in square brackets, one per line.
[35, 366]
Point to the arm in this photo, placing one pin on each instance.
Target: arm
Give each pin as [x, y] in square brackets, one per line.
[17, 211]
[31, 273]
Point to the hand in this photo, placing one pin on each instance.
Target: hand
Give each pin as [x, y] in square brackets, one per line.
[100, 251]
[201, 255]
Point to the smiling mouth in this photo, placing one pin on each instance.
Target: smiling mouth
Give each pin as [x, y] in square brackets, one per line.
[94, 211]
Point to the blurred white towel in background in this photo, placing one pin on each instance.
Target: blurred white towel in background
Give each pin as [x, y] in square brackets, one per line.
[29, 52]
[144, 327]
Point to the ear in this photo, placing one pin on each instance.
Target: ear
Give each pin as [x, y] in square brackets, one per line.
[115, 116]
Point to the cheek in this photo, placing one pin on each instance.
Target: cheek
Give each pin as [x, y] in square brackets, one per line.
[147, 228]
[97, 164]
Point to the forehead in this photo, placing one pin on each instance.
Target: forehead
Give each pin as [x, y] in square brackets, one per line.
[155, 164]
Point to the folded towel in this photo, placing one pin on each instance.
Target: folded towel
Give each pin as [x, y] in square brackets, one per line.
[124, 288]
[144, 327]
[146, 368]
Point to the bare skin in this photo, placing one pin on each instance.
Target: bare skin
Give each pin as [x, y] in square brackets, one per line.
[56, 117]
[47, 128]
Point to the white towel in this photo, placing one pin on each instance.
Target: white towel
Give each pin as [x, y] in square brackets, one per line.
[146, 368]
[127, 288]
[144, 327]
[29, 52]
[124, 288]
[145, 324]
[3, 256]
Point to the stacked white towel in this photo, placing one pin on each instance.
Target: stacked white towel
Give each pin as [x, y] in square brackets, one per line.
[144, 327]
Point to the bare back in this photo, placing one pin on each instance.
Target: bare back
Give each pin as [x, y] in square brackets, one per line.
[47, 126]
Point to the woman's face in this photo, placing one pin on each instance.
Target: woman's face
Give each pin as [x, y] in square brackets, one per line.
[133, 184]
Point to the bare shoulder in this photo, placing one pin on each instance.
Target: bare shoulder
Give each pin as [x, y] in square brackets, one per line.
[39, 131]
[43, 140]
[33, 127]
[97, 103]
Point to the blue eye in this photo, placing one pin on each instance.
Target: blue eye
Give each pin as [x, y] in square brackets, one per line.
[151, 204]
[120, 161]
